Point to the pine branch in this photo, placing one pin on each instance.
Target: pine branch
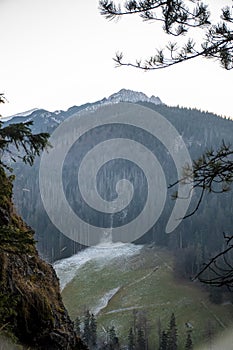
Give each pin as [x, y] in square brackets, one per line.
[18, 141]
[177, 19]
[220, 267]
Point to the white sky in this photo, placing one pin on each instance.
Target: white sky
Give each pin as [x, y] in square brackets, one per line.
[58, 53]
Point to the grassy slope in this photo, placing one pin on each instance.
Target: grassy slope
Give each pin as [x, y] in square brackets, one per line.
[146, 285]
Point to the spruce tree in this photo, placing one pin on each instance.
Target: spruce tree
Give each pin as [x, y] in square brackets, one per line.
[141, 342]
[189, 343]
[163, 343]
[18, 142]
[93, 331]
[131, 340]
[86, 330]
[113, 339]
[172, 334]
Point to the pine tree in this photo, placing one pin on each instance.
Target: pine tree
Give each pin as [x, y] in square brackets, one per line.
[131, 340]
[113, 339]
[86, 330]
[172, 334]
[163, 344]
[18, 142]
[93, 331]
[141, 342]
[189, 343]
[177, 18]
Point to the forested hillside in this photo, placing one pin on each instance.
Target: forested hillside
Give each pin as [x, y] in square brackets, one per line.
[198, 236]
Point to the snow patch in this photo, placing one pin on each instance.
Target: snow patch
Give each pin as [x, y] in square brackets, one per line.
[124, 309]
[67, 269]
[45, 114]
[57, 112]
[103, 302]
[21, 114]
[125, 95]
[56, 120]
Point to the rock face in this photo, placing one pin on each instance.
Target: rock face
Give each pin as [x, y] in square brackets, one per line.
[29, 287]
[41, 319]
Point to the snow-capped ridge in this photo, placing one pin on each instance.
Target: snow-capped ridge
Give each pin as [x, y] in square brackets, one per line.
[20, 114]
[125, 95]
[58, 116]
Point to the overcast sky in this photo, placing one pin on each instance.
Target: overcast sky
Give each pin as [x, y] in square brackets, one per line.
[58, 53]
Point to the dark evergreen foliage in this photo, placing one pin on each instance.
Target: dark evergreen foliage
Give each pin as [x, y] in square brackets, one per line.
[18, 141]
[163, 343]
[189, 343]
[86, 330]
[93, 331]
[131, 340]
[179, 18]
[172, 334]
[89, 334]
[141, 341]
[113, 343]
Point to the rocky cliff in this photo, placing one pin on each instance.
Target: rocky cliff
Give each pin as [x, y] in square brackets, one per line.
[31, 308]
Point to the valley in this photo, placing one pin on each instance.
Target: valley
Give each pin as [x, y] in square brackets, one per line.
[137, 285]
[126, 285]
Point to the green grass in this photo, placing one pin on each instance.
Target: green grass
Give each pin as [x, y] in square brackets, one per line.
[146, 284]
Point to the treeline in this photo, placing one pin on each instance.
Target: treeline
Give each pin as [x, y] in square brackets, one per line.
[99, 338]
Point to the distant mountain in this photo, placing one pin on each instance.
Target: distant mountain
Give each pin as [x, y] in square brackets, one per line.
[199, 131]
[125, 95]
[21, 114]
[46, 121]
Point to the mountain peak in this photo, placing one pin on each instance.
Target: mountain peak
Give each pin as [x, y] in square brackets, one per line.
[21, 114]
[125, 95]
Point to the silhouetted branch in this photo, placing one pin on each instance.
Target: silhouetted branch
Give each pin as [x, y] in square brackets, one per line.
[178, 18]
[220, 267]
[213, 172]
